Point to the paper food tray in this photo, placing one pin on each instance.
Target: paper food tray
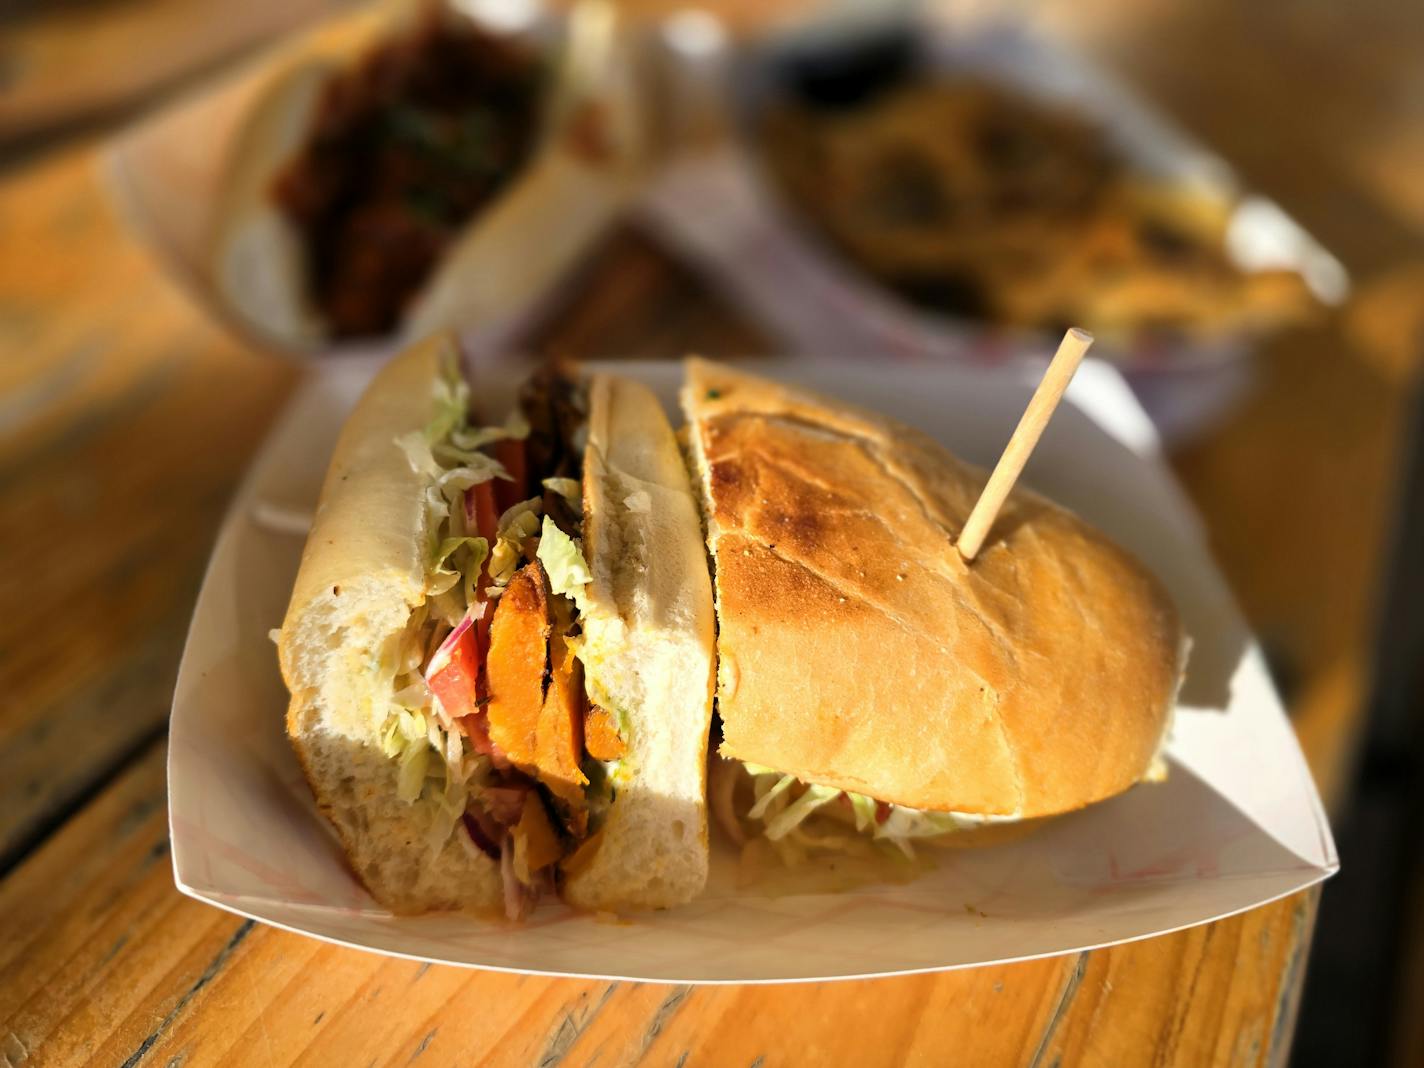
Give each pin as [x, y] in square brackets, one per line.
[1237, 824]
[723, 210]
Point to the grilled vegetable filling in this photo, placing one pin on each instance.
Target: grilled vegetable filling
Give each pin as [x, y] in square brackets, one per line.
[489, 715]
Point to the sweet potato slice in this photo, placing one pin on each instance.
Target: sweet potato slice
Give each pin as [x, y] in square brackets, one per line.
[536, 845]
[601, 735]
[516, 665]
[559, 737]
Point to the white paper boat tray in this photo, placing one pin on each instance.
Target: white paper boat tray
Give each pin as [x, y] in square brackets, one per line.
[1237, 824]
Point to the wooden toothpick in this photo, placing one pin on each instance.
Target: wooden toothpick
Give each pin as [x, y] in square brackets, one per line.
[1016, 453]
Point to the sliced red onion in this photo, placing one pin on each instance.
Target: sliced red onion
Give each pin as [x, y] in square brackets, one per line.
[505, 804]
[441, 658]
[479, 835]
[517, 900]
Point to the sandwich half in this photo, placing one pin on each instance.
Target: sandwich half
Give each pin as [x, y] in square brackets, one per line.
[499, 646]
[871, 684]
[366, 170]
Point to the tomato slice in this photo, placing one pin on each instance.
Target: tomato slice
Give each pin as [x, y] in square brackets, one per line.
[481, 511]
[511, 453]
[482, 519]
[455, 680]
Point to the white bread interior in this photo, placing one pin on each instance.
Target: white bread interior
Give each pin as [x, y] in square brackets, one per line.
[362, 573]
[648, 651]
[857, 649]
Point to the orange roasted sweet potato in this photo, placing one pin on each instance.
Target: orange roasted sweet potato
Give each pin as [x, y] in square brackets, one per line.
[559, 737]
[601, 735]
[536, 845]
[516, 664]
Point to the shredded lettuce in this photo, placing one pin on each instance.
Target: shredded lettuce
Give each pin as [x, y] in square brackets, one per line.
[903, 823]
[442, 578]
[474, 467]
[403, 728]
[563, 562]
[474, 564]
[410, 780]
[432, 766]
[785, 813]
[447, 793]
[763, 803]
[864, 809]
[519, 522]
[451, 401]
[419, 455]
[516, 513]
[795, 813]
[515, 428]
[570, 489]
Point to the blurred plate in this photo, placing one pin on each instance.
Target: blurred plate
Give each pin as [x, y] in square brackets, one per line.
[724, 209]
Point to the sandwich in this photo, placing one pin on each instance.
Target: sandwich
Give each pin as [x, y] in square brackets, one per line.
[874, 689]
[499, 645]
[360, 176]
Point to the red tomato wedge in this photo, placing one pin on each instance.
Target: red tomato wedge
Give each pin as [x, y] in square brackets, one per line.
[511, 453]
[454, 672]
[482, 518]
[481, 511]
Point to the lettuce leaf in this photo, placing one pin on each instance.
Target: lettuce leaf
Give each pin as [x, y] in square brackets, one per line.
[477, 468]
[519, 522]
[418, 454]
[791, 817]
[410, 779]
[402, 729]
[864, 809]
[570, 489]
[904, 823]
[563, 562]
[763, 803]
[440, 578]
[784, 823]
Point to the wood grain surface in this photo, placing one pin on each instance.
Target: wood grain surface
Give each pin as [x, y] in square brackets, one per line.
[64, 66]
[102, 962]
[126, 419]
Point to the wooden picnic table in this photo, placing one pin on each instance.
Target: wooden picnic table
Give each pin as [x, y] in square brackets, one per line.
[127, 417]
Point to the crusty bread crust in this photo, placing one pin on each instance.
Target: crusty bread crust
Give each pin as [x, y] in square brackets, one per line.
[362, 573]
[858, 650]
[648, 651]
